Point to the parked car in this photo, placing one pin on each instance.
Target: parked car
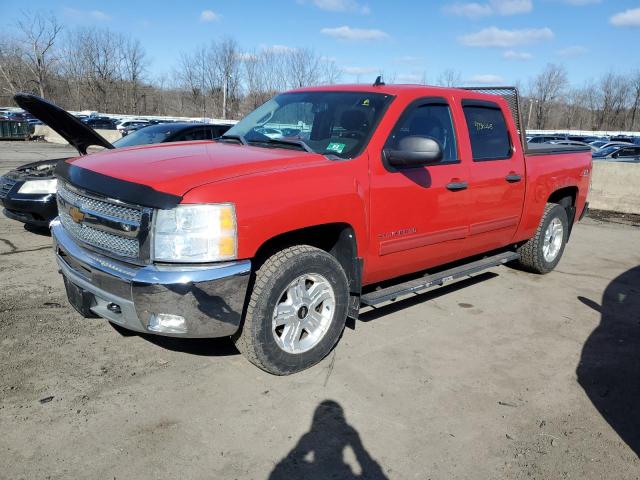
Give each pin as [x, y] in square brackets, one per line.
[124, 124]
[573, 143]
[276, 241]
[100, 123]
[598, 143]
[546, 138]
[613, 144]
[619, 153]
[172, 132]
[27, 193]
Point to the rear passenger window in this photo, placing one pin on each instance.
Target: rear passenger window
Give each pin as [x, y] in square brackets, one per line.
[488, 133]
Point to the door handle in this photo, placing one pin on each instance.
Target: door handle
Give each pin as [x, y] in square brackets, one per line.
[457, 186]
[513, 177]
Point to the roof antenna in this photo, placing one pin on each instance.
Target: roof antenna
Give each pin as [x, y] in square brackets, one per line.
[378, 82]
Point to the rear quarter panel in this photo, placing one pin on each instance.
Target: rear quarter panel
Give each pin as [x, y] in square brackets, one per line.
[547, 173]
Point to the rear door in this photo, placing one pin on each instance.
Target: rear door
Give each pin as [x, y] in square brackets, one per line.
[497, 175]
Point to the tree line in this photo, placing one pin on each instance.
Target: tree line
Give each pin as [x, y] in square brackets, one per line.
[99, 69]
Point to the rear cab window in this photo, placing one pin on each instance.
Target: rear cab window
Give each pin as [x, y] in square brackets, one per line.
[488, 132]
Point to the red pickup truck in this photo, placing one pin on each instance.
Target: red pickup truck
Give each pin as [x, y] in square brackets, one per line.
[320, 201]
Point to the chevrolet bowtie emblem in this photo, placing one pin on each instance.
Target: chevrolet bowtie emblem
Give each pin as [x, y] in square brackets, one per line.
[76, 215]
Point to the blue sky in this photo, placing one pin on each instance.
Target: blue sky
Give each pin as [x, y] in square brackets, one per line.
[490, 41]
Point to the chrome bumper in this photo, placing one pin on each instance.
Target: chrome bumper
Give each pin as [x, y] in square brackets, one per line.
[209, 298]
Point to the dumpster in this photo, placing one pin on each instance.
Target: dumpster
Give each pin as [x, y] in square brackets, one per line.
[14, 130]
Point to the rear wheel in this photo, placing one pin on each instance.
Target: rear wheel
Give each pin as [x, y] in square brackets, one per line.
[296, 312]
[542, 253]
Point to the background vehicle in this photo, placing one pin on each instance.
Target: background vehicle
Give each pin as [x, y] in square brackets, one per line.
[124, 124]
[619, 153]
[612, 144]
[100, 123]
[171, 132]
[28, 192]
[546, 138]
[276, 241]
[572, 143]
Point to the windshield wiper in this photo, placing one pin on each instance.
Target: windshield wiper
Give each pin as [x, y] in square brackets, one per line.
[238, 138]
[286, 141]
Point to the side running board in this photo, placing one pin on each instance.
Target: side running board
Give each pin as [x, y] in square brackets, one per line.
[436, 279]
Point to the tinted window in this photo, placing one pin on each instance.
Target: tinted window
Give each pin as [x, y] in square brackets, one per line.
[488, 133]
[430, 120]
[629, 152]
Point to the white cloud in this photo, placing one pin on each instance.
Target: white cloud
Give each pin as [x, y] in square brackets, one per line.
[360, 70]
[493, 7]
[486, 79]
[99, 15]
[515, 55]
[341, 6]
[209, 16]
[574, 51]
[496, 37]
[628, 18]
[277, 48]
[348, 33]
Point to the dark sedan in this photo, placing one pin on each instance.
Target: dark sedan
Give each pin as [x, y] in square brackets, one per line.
[619, 153]
[28, 192]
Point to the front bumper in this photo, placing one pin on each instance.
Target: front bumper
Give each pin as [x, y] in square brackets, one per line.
[209, 298]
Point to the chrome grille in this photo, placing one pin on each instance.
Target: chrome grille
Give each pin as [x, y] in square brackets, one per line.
[6, 184]
[124, 247]
[98, 206]
[102, 223]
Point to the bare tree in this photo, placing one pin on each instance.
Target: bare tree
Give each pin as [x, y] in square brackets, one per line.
[634, 86]
[449, 78]
[39, 32]
[547, 88]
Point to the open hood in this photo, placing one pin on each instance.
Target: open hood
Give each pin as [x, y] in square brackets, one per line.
[75, 132]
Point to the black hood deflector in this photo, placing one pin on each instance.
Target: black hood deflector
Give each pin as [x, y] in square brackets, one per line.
[111, 187]
[70, 128]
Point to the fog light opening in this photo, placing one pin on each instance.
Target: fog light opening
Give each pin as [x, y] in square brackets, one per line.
[114, 308]
[167, 323]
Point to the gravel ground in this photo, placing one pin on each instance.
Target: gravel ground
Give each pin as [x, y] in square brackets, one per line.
[506, 375]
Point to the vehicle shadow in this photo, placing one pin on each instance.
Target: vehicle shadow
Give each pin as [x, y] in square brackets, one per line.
[44, 231]
[416, 299]
[319, 454]
[609, 368]
[205, 347]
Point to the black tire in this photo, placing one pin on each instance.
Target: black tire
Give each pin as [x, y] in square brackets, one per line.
[531, 253]
[256, 339]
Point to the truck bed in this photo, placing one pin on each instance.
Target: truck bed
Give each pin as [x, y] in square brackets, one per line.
[549, 148]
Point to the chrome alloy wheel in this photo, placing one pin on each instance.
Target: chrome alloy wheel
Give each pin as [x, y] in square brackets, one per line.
[553, 236]
[303, 314]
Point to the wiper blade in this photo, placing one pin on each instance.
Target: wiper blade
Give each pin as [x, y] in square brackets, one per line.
[286, 141]
[238, 138]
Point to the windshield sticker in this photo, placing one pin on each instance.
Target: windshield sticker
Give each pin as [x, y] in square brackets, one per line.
[365, 103]
[336, 147]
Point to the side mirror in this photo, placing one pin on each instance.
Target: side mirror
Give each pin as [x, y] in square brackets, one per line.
[414, 151]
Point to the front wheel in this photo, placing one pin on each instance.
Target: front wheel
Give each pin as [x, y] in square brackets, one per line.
[296, 312]
[542, 253]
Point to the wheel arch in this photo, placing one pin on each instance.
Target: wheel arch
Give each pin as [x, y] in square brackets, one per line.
[566, 197]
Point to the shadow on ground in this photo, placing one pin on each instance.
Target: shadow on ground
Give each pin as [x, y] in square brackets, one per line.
[207, 347]
[609, 369]
[320, 453]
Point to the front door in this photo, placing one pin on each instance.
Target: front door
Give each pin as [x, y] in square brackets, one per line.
[418, 215]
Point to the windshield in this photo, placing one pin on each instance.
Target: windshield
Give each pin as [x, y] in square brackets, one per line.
[336, 123]
[147, 135]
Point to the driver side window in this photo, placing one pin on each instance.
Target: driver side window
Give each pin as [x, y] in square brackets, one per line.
[427, 120]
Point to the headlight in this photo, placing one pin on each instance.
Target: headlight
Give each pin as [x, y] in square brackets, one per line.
[196, 233]
[39, 186]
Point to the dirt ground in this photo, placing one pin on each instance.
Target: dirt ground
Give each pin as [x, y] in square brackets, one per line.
[506, 375]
